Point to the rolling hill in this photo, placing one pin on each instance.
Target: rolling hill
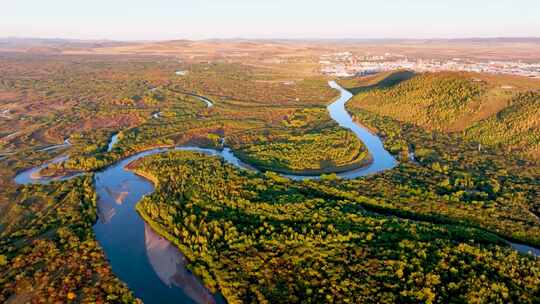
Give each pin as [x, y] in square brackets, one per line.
[490, 109]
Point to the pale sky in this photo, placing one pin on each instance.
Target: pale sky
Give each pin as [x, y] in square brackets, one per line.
[203, 19]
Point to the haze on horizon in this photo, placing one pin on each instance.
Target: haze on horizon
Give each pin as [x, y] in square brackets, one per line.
[205, 19]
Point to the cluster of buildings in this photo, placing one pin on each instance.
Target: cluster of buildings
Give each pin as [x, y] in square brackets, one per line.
[345, 64]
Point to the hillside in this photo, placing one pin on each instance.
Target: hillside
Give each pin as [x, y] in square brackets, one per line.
[516, 126]
[500, 110]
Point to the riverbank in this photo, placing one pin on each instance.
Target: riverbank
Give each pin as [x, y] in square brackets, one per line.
[204, 295]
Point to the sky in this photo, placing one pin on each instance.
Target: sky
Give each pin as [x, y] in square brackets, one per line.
[257, 19]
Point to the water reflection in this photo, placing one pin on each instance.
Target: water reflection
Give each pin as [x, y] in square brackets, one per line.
[170, 266]
[149, 265]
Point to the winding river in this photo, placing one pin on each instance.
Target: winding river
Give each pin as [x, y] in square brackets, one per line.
[152, 267]
[381, 159]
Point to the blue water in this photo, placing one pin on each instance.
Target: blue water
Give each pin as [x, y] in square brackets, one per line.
[31, 176]
[208, 102]
[126, 241]
[112, 142]
[382, 159]
[525, 249]
[54, 147]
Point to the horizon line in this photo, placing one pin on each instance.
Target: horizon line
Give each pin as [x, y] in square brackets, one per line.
[271, 39]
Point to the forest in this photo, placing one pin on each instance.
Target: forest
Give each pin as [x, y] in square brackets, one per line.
[262, 238]
[433, 230]
[516, 127]
[307, 142]
[452, 176]
[450, 180]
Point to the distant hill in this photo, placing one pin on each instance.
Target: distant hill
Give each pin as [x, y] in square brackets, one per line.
[525, 49]
[54, 44]
[489, 40]
[387, 41]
